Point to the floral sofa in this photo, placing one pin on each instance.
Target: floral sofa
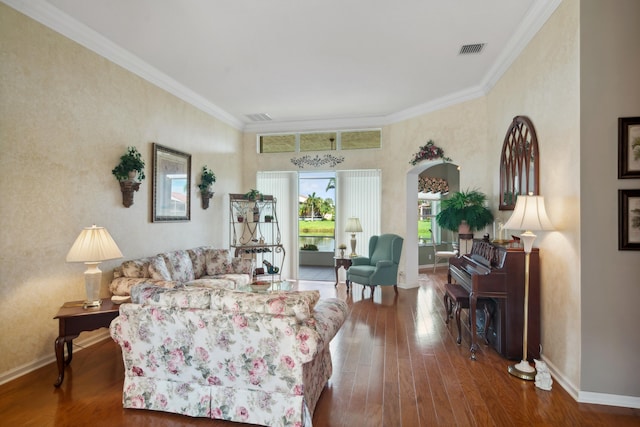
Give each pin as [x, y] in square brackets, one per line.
[258, 358]
[202, 266]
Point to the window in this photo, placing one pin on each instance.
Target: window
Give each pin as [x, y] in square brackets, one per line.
[360, 139]
[319, 141]
[277, 143]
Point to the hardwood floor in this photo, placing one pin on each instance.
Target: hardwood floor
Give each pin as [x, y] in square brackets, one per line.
[396, 363]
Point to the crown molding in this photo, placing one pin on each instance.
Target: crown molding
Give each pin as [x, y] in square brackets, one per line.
[46, 14]
[62, 23]
[532, 22]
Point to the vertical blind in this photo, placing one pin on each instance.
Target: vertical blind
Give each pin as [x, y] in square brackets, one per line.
[358, 195]
[284, 187]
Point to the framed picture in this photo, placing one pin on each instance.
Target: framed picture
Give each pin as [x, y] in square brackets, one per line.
[629, 220]
[629, 147]
[171, 185]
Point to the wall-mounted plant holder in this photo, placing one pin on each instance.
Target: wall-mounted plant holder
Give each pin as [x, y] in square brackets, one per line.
[206, 196]
[128, 188]
[206, 186]
[131, 166]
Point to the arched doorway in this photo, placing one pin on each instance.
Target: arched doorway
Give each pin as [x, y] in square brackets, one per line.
[448, 171]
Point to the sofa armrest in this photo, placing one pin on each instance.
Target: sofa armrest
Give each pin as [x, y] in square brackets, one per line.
[328, 317]
[384, 263]
[360, 260]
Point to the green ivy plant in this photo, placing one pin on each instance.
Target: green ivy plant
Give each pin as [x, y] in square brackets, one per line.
[466, 206]
[208, 178]
[129, 162]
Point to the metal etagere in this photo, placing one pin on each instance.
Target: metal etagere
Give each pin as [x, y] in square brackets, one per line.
[255, 233]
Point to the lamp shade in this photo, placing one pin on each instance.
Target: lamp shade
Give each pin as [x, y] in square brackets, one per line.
[529, 214]
[94, 244]
[353, 225]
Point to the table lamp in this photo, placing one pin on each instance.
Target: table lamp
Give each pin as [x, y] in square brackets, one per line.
[353, 227]
[529, 214]
[93, 245]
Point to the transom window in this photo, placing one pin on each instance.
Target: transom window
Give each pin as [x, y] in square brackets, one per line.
[319, 141]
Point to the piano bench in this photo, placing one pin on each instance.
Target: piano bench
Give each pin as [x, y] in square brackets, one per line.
[458, 297]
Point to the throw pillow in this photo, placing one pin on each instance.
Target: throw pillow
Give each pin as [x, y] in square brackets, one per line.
[179, 265]
[158, 269]
[198, 260]
[136, 268]
[217, 261]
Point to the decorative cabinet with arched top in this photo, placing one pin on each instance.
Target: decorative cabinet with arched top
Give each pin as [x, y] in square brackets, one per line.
[519, 163]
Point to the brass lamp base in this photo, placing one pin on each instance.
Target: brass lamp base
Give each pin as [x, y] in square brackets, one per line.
[523, 370]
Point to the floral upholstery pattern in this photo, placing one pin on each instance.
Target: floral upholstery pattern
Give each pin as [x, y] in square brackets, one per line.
[188, 267]
[158, 269]
[285, 303]
[198, 261]
[184, 352]
[125, 285]
[217, 261]
[179, 266]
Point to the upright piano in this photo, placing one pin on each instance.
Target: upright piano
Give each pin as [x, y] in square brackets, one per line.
[496, 272]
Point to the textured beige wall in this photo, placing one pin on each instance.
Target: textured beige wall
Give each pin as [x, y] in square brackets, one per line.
[610, 88]
[66, 116]
[543, 84]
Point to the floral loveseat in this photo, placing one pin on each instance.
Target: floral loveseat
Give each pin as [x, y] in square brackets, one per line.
[202, 266]
[224, 354]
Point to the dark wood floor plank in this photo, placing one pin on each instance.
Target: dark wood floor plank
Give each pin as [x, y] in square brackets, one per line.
[395, 360]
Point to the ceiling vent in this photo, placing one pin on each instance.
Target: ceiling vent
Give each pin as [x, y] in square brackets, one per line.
[259, 117]
[471, 48]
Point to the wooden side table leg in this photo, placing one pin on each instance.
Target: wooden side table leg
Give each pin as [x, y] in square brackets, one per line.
[59, 349]
[337, 267]
[69, 352]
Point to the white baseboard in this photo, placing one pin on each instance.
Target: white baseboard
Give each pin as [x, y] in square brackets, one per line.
[590, 397]
[609, 399]
[78, 345]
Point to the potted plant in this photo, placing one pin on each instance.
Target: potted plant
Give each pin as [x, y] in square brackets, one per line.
[131, 166]
[254, 195]
[240, 213]
[205, 186]
[268, 218]
[464, 212]
[208, 178]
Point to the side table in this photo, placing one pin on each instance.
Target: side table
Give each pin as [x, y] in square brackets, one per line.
[73, 319]
[341, 262]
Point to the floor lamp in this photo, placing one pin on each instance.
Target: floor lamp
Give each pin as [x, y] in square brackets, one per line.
[529, 215]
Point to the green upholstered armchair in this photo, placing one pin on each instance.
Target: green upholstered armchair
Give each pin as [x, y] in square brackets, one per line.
[381, 267]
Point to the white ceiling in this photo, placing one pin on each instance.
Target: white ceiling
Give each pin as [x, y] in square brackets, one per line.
[308, 64]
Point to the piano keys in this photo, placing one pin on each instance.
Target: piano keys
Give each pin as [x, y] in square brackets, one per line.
[491, 271]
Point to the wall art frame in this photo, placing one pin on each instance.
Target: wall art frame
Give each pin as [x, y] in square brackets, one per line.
[629, 220]
[171, 201]
[628, 147]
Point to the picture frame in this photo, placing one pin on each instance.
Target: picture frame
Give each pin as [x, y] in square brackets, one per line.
[629, 220]
[171, 185]
[628, 147]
